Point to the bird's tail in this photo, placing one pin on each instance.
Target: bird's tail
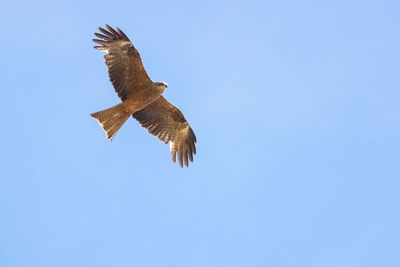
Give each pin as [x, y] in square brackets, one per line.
[112, 119]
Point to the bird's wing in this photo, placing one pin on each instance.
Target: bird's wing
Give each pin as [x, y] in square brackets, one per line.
[167, 122]
[125, 67]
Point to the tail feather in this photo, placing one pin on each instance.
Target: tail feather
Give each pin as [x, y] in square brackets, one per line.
[112, 119]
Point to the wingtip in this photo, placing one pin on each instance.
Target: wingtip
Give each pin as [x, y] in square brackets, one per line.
[112, 30]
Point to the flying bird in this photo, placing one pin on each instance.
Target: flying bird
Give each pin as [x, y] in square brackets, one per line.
[141, 97]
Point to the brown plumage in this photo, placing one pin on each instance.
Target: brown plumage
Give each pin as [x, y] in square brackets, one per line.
[141, 97]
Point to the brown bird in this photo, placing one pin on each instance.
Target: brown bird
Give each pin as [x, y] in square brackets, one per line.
[141, 97]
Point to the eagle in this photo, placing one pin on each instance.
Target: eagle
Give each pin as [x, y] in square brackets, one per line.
[141, 97]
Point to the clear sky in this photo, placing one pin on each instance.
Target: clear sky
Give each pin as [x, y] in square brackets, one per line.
[295, 105]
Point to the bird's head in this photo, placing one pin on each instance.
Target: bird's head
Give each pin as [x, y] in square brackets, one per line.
[161, 85]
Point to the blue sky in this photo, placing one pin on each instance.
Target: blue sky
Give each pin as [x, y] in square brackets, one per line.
[295, 105]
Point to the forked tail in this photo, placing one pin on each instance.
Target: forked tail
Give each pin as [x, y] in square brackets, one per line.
[112, 119]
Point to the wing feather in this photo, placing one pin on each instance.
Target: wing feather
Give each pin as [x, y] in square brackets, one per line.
[125, 67]
[103, 36]
[164, 120]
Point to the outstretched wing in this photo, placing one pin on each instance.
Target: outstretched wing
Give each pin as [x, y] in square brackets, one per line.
[125, 66]
[167, 122]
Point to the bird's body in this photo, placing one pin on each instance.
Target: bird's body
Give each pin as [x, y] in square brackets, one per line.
[141, 97]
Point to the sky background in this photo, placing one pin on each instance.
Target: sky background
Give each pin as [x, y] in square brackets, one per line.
[295, 105]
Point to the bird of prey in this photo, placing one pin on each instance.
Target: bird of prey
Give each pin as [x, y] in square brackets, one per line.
[141, 97]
